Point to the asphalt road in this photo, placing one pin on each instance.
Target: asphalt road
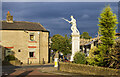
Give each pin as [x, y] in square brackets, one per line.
[37, 71]
[23, 70]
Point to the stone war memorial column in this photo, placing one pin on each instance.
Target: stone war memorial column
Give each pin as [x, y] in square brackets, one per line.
[75, 45]
[75, 37]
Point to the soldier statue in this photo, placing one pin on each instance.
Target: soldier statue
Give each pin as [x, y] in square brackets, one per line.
[73, 27]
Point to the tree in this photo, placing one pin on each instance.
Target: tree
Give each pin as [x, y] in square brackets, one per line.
[57, 41]
[114, 56]
[66, 45]
[85, 35]
[62, 44]
[107, 27]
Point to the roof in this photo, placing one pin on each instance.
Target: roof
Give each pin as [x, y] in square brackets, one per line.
[22, 25]
[117, 34]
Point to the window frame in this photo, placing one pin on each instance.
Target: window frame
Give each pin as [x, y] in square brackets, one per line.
[33, 36]
[32, 50]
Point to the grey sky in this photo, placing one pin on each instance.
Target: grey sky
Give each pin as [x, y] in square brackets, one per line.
[50, 14]
[60, 0]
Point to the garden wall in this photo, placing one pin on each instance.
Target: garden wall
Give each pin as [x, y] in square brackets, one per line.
[87, 69]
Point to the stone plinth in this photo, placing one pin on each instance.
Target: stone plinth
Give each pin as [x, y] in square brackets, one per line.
[75, 45]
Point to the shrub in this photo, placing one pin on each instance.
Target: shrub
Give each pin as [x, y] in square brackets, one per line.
[91, 57]
[113, 58]
[10, 57]
[79, 58]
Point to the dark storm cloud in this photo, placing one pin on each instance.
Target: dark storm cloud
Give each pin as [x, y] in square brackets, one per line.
[50, 14]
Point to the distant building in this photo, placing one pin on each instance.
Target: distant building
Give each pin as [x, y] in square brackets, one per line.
[117, 35]
[27, 41]
[86, 45]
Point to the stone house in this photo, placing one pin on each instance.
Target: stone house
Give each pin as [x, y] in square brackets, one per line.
[27, 41]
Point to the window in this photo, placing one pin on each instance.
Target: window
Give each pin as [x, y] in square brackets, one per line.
[32, 37]
[8, 52]
[31, 54]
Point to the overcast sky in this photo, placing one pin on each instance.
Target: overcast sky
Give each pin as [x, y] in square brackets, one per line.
[60, 0]
[50, 14]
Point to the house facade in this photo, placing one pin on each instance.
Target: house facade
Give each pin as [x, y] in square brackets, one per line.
[27, 41]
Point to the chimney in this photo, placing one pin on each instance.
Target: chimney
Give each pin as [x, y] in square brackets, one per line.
[9, 18]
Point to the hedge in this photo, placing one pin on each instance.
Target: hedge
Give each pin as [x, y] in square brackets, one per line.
[87, 69]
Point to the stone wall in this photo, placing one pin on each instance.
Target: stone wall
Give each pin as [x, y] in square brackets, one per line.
[87, 69]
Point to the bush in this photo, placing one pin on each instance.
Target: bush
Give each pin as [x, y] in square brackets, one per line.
[91, 57]
[10, 57]
[79, 58]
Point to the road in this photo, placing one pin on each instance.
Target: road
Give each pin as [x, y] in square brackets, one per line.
[29, 71]
[47, 70]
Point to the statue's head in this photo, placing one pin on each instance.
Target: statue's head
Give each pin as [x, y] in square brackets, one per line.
[71, 16]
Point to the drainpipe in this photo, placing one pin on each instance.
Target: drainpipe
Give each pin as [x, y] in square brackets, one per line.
[39, 46]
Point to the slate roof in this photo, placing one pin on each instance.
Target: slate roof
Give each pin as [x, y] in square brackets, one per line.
[22, 25]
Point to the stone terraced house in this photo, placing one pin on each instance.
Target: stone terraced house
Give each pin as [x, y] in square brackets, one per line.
[27, 41]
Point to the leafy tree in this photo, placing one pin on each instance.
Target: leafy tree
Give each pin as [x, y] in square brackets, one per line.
[85, 35]
[66, 45]
[107, 27]
[79, 58]
[62, 44]
[57, 41]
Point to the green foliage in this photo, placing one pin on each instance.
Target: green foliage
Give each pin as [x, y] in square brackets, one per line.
[85, 35]
[113, 59]
[60, 43]
[100, 55]
[66, 45]
[90, 58]
[107, 27]
[10, 57]
[56, 42]
[79, 58]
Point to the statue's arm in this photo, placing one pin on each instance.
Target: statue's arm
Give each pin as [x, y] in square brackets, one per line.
[66, 20]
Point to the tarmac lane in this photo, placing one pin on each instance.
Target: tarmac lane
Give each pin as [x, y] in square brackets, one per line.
[47, 70]
[30, 71]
